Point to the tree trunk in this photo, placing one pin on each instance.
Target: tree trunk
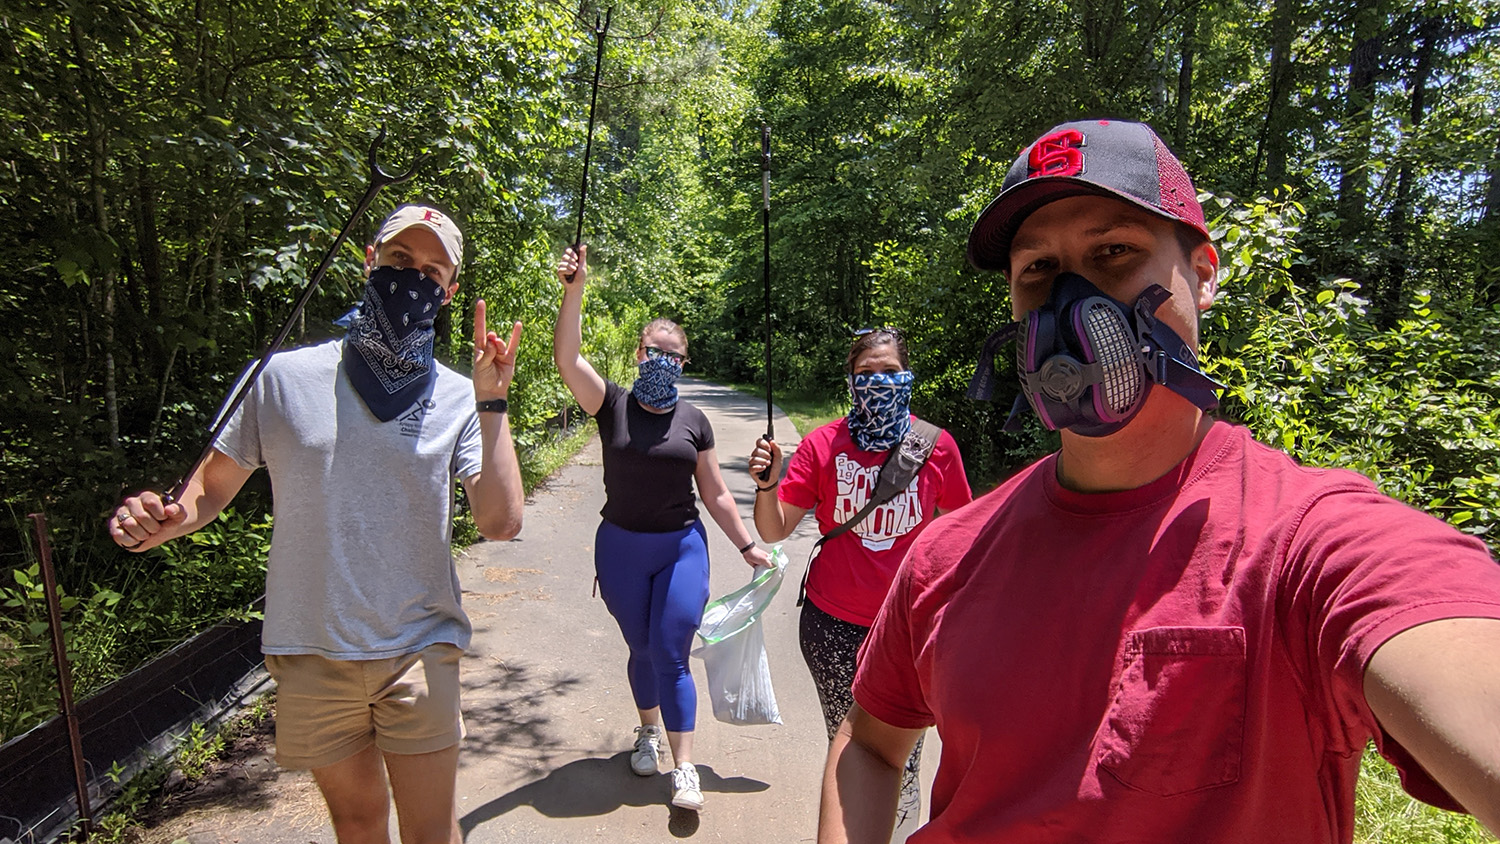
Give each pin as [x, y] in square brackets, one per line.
[1185, 76]
[98, 155]
[1400, 225]
[1487, 284]
[1358, 129]
[1492, 192]
[1274, 137]
[161, 400]
[211, 304]
[149, 243]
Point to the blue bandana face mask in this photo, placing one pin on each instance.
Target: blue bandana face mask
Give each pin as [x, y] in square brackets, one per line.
[656, 385]
[880, 414]
[388, 351]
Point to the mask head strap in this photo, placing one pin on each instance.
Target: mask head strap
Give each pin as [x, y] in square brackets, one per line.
[982, 385]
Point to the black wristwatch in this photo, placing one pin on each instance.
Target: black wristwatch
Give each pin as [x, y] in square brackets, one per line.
[491, 406]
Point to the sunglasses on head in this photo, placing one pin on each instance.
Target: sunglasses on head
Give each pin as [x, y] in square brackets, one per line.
[676, 357]
[884, 329]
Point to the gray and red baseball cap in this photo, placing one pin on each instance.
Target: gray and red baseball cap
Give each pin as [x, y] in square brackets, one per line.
[1114, 158]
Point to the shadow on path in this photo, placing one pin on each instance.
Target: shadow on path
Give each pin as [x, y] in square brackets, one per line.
[598, 786]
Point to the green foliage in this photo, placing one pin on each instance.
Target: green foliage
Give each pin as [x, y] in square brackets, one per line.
[136, 794]
[169, 594]
[1388, 816]
[1414, 406]
[176, 170]
[549, 456]
[175, 173]
[195, 754]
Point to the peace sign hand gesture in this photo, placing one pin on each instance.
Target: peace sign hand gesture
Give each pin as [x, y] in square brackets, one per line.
[494, 359]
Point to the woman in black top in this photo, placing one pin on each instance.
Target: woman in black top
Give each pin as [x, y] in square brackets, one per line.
[651, 551]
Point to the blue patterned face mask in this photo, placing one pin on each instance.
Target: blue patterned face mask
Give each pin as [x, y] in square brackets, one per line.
[881, 411]
[388, 351]
[656, 385]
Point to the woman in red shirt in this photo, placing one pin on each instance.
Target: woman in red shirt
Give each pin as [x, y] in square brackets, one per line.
[833, 473]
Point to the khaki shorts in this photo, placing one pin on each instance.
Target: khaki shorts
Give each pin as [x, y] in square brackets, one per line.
[328, 709]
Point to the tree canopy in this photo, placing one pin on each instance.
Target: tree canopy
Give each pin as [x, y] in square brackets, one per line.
[177, 167]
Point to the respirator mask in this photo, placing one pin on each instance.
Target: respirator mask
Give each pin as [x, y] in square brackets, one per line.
[1087, 361]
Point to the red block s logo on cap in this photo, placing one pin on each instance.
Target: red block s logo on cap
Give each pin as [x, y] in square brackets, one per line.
[1058, 154]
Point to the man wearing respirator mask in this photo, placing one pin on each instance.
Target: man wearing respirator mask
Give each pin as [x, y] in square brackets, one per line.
[363, 439]
[1165, 631]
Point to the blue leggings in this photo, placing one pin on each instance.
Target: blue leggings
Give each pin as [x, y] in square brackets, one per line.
[655, 585]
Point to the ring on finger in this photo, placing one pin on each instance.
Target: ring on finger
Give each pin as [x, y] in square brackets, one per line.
[121, 517]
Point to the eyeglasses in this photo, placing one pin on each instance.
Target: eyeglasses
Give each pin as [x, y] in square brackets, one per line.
[884, 329]
[676, 357]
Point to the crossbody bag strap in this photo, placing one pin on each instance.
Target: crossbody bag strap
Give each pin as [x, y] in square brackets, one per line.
[901, 465]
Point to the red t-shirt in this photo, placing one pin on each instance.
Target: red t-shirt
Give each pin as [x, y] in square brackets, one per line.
[834, 479]
[1180, 662]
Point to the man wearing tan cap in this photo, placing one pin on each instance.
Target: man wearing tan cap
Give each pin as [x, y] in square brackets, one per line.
[1165, 631]
[363, 438]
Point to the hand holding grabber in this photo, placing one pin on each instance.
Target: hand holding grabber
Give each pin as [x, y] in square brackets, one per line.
[765, 461]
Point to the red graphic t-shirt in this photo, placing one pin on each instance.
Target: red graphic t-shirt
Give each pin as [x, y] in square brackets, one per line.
[1183, 662]
[834, 479]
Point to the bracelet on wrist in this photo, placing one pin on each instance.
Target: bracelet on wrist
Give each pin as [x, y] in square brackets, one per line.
[492, 406]
[748, 546]
[759, 488]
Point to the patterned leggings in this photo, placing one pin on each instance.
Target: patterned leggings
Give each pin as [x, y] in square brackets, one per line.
[829, 646]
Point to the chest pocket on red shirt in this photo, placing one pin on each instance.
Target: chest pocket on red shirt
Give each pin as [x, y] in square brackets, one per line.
[1177, 720]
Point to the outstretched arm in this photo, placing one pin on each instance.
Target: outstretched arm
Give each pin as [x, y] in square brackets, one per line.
[1436, 689]
[721, 507]
[774, 519]
[586, 385]
[146, 520]
[495, 493]
[862, 779]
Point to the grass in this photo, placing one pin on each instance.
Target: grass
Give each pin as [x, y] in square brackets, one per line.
[537, 464]
[807, 411]
[1384, 814]
[546, 458]
[193, 759]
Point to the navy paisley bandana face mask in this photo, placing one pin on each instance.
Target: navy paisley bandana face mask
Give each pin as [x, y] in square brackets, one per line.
[388, 351]
[880, 414]
[656, 385]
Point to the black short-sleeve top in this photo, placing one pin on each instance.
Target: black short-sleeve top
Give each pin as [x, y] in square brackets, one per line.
[649, 461]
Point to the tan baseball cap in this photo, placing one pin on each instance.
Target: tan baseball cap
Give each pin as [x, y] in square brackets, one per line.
[430, 218]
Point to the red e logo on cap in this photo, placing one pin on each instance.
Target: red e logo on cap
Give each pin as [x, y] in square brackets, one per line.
[431, 216]
[1058, 154]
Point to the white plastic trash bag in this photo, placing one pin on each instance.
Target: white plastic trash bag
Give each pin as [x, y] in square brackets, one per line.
[734, 649]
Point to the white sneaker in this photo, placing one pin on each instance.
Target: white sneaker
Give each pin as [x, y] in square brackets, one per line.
[647, 747]
[685, 791]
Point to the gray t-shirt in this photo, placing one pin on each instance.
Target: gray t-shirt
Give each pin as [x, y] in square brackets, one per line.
[361, 565]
